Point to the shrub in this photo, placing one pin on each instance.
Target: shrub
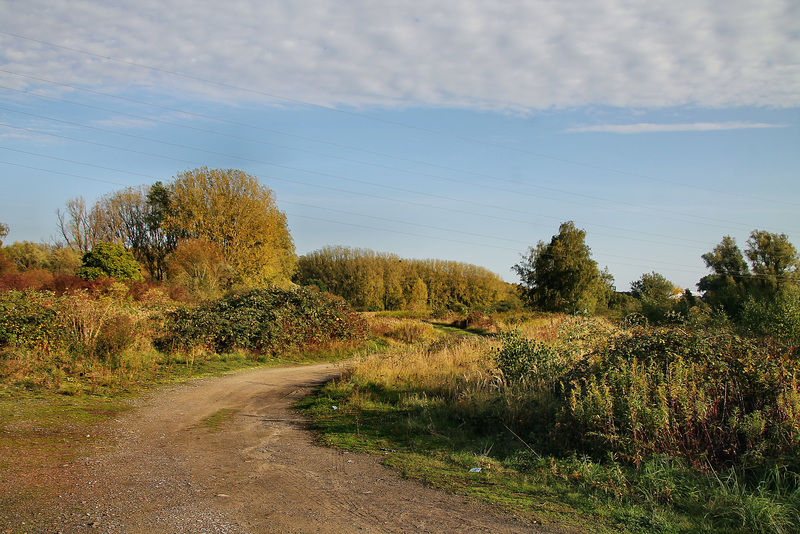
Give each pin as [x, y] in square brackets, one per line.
[776, 317]
[520, 357]
[110, 259]
[265, 321]
[704, 396]
[29, 319]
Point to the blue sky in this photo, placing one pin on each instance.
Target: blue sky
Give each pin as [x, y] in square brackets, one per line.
[462, 130]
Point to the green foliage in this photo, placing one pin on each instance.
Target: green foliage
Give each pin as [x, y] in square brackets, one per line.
[520, 357]
[112, 260]
[707, 397]
[264, 321]
[30, 320]
[561, 276]
[656, 296]
[775, 266]
[773, 257]
[777, 317]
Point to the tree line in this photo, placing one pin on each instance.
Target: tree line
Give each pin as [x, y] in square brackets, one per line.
[376, 281]
[211, 230]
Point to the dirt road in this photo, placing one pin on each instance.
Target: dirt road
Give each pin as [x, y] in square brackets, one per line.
[252, 468]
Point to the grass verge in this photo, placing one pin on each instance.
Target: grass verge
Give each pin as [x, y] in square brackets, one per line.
[442, 414]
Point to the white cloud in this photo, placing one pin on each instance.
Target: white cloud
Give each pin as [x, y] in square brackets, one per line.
[476, 53]
[646, 127]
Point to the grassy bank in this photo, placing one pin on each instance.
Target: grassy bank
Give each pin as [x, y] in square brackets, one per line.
[569, 421]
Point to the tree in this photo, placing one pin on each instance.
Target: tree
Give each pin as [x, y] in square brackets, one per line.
[109, 259]
[28, 255]
[654, 286]
[656, 295]
[561, 276]
[726, 259]
[135, 217]
[374, 281]
[419, 296]
[232, 210]
[80, 226]
[774, 266]
[773, 258]
[161, 241]
[726, 288]
[199, 266]
[3, 232]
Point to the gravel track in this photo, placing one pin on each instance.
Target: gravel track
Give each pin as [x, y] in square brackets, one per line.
[259, 471]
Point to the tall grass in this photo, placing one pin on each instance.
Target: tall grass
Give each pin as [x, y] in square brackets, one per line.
[669, 428]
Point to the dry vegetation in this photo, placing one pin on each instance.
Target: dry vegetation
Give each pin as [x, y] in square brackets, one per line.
[630, 420]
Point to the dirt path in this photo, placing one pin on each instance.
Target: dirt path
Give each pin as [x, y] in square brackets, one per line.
[259, 471]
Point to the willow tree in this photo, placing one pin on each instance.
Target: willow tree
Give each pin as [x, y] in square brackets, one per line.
[235, 212]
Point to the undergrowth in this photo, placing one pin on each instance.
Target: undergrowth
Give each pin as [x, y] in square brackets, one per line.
[582, 422]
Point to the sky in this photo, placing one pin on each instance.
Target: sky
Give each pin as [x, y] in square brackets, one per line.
[464, 130]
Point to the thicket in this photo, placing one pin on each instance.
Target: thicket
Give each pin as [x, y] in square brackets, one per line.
[710, 397]
[264, 321]
[680, 428]
[375, 281]
[97, 340]
[111, 335]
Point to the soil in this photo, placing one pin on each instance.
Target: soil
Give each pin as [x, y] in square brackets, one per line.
[229, 455]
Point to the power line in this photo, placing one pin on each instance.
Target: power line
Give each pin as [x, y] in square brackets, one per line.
[681, 267]
[363, 182]
[438, 177]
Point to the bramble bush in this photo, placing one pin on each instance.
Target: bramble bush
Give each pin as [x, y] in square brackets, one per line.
[29, 319]
[710, 397]
[263, 321]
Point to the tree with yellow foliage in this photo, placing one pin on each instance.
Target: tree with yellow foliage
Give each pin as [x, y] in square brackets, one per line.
[235, 212]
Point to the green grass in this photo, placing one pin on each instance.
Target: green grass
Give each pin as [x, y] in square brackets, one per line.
[415, 438]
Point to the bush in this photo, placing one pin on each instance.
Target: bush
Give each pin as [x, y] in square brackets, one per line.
[708, 397]
[110, 259]
[29, 319]
[264, 321]
[777, 317]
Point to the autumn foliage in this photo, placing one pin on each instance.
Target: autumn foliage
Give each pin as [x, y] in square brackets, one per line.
[379, 281]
